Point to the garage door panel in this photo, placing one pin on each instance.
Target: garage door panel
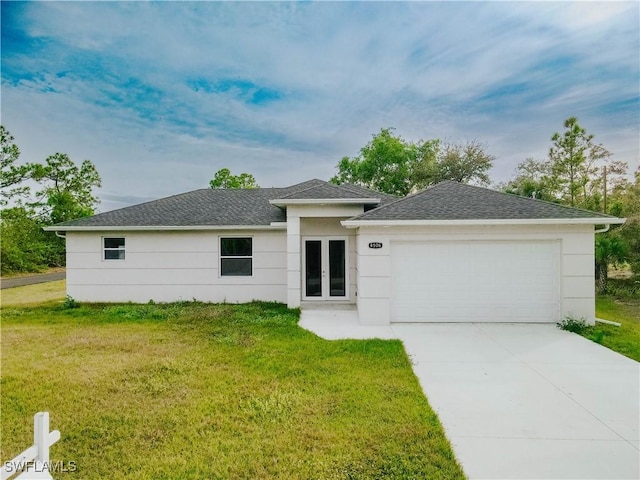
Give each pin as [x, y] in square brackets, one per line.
[475, 281]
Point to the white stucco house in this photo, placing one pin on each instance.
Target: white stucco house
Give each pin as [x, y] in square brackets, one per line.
[451, 253]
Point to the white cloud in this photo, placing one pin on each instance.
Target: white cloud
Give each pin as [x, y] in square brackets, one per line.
[343, 70]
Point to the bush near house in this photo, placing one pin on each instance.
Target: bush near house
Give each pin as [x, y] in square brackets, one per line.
[623, 308]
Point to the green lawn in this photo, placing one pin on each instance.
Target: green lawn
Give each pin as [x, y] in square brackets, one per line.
[213, 391]
[33, 294]
[624, 339]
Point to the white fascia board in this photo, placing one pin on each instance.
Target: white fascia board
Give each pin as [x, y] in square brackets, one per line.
[509, 221]
[323, 201]
[54, 228]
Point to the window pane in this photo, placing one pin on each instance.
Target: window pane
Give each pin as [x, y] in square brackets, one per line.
[313, 268]
[235, 247]
[233, 267]
[114, 254]
[114, 243]
[337, 287]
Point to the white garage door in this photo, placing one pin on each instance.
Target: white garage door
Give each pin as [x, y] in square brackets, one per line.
[476, 281]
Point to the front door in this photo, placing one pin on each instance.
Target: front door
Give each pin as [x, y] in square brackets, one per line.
[325, 268]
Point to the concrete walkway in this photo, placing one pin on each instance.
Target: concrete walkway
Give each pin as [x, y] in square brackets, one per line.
[11, 282]
[519, 401]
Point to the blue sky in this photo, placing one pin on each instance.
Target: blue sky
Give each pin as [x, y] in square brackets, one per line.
[162, 95]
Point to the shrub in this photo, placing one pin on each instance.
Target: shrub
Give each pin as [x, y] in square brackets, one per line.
[575, 325]
[69, 302]
[25, 247]
[597, 336]
[624, 288]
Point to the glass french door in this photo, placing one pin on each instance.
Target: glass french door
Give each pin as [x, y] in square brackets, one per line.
[325, 268]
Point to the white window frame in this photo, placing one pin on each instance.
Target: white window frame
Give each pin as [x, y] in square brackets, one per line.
[105, 249]
[221, 257]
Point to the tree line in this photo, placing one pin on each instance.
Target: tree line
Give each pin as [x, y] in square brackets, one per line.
[34, 195]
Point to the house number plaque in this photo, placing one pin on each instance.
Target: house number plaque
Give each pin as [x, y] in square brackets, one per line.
[375, 245]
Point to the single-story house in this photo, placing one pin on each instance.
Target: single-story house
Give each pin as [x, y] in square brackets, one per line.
[450, 253]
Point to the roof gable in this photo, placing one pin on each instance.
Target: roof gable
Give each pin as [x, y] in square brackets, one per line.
[298, 187]
[456, 201]
[329, 191]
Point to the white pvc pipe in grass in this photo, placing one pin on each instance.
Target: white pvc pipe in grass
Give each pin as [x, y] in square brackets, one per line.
[608, 322]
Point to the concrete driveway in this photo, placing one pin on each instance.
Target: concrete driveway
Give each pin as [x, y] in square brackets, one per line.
[520, 401]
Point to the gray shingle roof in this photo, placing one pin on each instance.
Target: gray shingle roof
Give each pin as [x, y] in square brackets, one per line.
[251, 207]
[328, 190]
[456, 201]
[302, 186]
[384, 197]
[196, 208]
[207, 207]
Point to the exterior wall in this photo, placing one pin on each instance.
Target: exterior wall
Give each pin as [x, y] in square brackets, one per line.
[171, 266]
[294, 262]
[311, 218]
[374, 265]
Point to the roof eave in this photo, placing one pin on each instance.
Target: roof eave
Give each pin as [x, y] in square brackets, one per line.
[162, 228]
[283, 202]
[496, 221]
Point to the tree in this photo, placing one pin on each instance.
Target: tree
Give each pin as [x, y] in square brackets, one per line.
[390, 164]
[12, 175]
[576, 167]
[67, 191]
[532, 180]
[630, 234]
[574, 173]
[622, 243]
[579, 173]
[385, 164]
[224, 179]
[625, 202]
[25, 247]
[463, 162]
[610, 249]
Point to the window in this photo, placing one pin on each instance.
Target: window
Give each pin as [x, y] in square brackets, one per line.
[113, 248]
[236, 257]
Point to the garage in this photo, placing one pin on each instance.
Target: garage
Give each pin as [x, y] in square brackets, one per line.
[478, 281]
[461, 253]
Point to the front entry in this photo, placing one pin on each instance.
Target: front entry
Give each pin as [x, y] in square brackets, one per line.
[324, 268]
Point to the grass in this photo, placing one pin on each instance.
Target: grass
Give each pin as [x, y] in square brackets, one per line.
[624, 339]
[28, 274]
[213, 391]
[33, 294]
